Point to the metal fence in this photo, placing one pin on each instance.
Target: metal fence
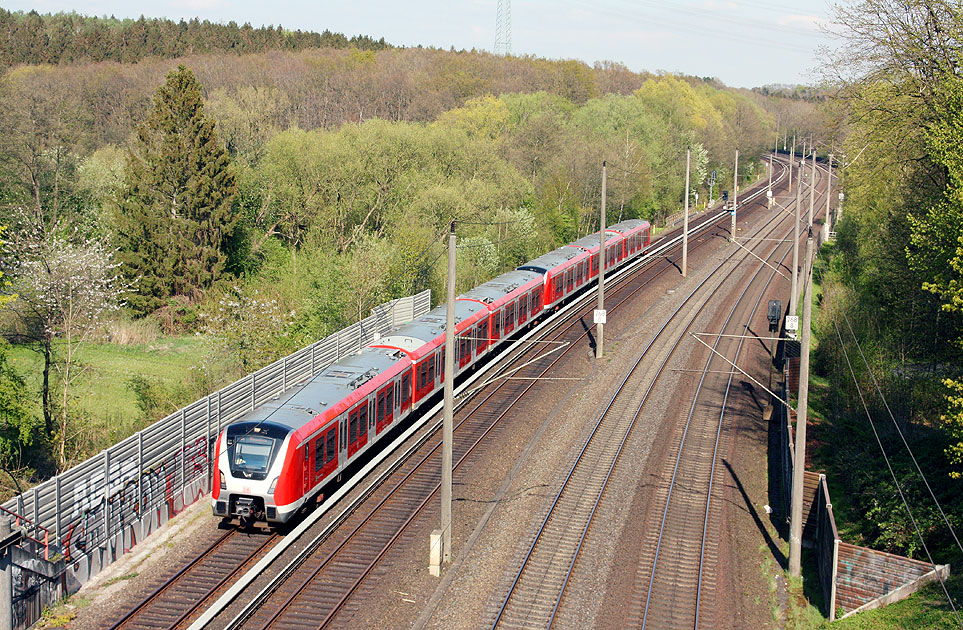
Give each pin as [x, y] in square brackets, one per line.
[95, 512]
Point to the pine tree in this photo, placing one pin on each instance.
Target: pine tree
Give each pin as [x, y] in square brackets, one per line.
[175, 215]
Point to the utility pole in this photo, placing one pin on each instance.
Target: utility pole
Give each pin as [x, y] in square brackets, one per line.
[829, 189]
[795, 251]
[812, 190]
[735, 195]
[799, 467]
[449, 403]
[685, 219]
[792, 158]
[600, 313]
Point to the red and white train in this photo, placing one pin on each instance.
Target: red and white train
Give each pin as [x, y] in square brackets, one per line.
[269, 463]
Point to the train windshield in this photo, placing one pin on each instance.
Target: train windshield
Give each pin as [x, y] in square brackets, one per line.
[252, 449]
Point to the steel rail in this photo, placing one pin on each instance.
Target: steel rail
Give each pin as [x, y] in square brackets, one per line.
[672, 482]
[722, 411]
[195, 565]
[592, 437]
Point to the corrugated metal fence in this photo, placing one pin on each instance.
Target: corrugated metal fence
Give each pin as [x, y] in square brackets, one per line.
[93, 513]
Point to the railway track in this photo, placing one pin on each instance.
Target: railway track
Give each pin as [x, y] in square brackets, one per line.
[343, 554]
[675, 584]
[533, 598]
[174, 603]
[319, 586]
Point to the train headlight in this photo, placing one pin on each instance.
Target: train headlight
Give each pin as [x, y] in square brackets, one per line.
[273, 485]
[223, 482]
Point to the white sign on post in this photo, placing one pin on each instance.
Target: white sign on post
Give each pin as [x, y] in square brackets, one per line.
[598, 316]
[792, 323]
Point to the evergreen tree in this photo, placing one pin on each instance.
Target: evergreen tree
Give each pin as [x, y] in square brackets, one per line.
[175, 215]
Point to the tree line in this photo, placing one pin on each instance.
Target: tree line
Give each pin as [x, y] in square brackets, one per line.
[70, 38]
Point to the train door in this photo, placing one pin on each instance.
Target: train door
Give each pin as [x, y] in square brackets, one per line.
[569, 280]
[424, 377]
[482, 337]
[496, 326]
[384, 408]
[463, 346]
[536, 302]
[306, 469]
[326, 453]
[358, 428]
[405, 398]
[522, 309]
[509, 318]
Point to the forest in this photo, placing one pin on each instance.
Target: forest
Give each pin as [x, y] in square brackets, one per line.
[172, 224]
[69, 38]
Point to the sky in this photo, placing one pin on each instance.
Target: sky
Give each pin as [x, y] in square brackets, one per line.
[745, 43]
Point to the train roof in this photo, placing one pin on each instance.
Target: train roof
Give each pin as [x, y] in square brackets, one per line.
[592, 240]
[628, 225]
[547, 262]
[501, 286]
[420, 331]
[314, 396]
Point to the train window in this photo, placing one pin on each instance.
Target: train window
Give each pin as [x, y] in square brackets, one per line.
[344, 434]
[509, 316]
[431, 372]
[523, 308]
[420, 377]
[536, 299]
[380, 409]
[389, 401]
[555, 287]
[405, 388]
[568, 280]
[498, 325]
[330, 445]
[482, 336]
[363, 421]
[353, 426]
[318, 454]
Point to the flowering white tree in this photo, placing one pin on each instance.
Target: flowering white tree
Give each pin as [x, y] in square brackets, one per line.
[246, 328]
[65, 288]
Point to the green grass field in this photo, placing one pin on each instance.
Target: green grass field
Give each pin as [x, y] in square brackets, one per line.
[101, 392]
